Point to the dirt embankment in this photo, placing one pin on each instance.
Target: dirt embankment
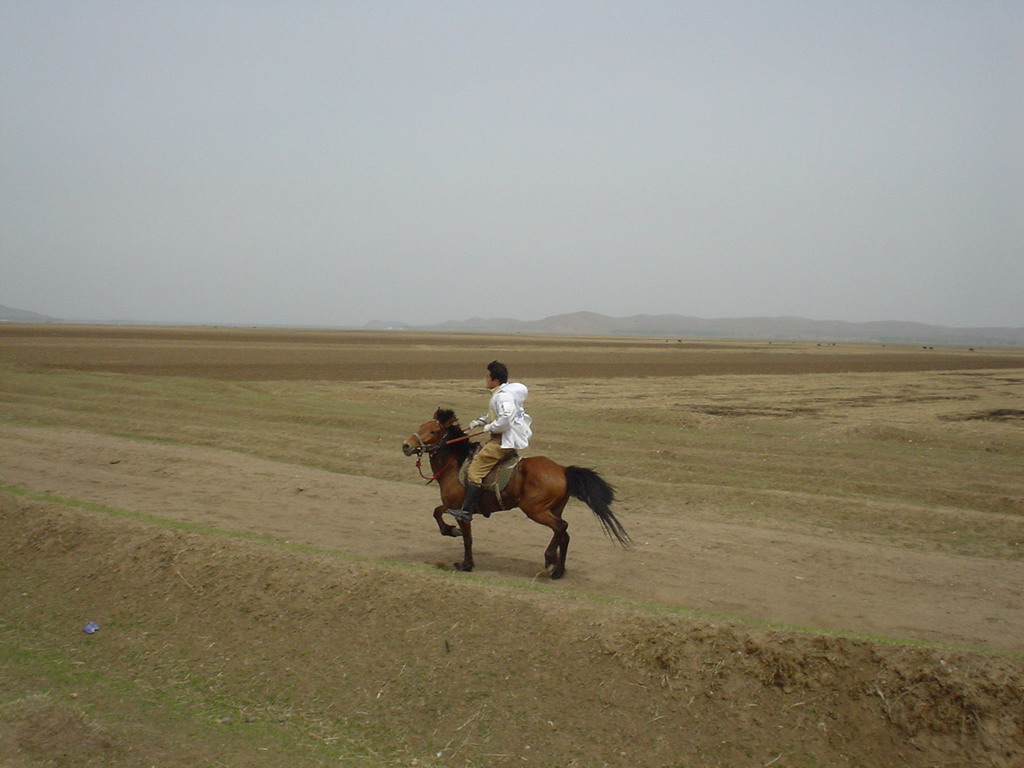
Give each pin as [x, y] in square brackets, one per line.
[796, 577]
[437, 669]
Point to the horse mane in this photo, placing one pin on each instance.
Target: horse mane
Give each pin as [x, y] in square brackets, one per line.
[446, 418]
[443, 416]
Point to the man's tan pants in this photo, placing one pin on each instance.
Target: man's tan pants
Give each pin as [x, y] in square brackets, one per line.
[486, 459]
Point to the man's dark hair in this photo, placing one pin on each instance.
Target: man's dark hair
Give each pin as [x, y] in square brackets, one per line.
[498, 371]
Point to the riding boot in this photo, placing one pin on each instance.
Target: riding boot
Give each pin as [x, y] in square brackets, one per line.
[466, 513]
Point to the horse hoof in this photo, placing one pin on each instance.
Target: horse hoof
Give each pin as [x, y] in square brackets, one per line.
[557, 573]
[452, 531]
[462, 567]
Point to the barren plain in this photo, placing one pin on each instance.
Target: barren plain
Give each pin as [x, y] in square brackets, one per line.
[827, 568]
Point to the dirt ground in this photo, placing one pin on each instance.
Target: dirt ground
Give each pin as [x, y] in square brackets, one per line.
[828, 559]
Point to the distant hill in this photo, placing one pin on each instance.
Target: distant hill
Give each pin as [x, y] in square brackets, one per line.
[766, 328]
[681, 326]
[13, 315]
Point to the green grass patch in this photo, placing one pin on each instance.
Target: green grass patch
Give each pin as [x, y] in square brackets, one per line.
[180, 725]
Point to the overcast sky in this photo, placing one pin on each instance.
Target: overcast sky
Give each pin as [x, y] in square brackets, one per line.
[333, 163]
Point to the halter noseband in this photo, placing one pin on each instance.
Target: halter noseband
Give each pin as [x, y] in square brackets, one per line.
[430, 448]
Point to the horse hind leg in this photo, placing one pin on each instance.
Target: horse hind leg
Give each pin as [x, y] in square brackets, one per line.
[554, 555]
[558, 548]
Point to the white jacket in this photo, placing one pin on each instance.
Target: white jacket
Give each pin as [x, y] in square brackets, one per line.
[509, 419]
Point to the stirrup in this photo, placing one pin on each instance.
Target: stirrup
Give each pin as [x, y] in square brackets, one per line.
[461, 514]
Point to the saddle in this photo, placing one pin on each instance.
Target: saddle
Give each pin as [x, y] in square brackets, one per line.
[498, 478]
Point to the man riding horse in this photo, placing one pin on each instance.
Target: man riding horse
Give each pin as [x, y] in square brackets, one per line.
[538, 486]
[509, 427]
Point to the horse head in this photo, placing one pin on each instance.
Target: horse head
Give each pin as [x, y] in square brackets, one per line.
[430, 435]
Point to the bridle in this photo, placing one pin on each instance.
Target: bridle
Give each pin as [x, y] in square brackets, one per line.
[431, 448]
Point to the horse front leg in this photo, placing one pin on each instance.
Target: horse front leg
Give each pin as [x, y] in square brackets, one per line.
[442, 526]
[466, 531]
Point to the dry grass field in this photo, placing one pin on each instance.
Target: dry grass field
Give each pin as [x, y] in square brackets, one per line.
[827, 568]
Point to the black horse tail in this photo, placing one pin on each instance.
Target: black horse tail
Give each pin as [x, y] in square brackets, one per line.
[594, 491]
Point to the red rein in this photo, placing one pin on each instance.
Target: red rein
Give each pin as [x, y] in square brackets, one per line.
[436, 475]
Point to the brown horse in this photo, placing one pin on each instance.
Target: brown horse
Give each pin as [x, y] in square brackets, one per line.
[539, 487]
